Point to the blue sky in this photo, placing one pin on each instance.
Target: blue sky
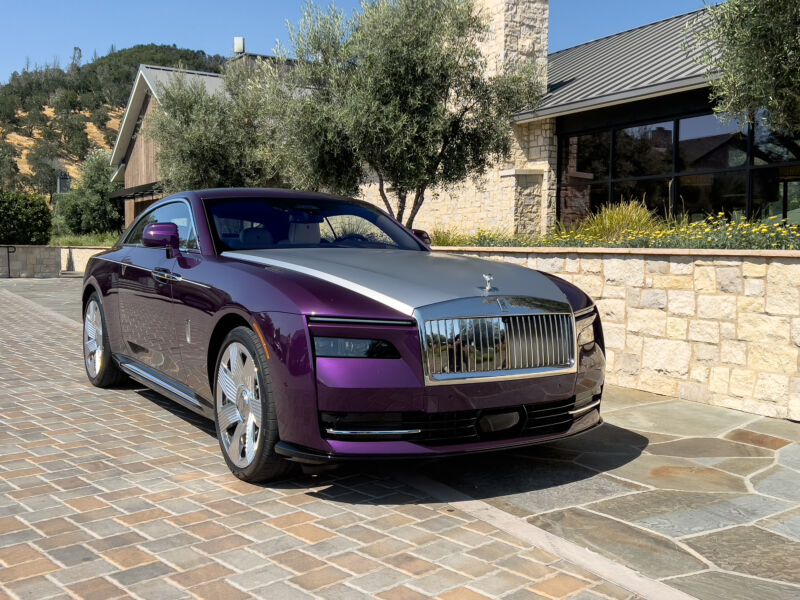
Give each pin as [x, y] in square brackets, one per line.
[42, 30]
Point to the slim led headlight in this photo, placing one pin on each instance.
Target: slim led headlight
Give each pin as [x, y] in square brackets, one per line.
[336, 347]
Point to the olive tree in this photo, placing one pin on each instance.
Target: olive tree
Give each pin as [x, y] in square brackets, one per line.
[752, 51]
[88, 207]
[207, 140]
[399, 90]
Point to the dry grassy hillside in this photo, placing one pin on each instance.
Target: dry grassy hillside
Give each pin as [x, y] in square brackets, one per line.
[96, 137]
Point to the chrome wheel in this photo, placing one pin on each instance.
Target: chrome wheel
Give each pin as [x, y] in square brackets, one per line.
[93, 339]
[238, 399]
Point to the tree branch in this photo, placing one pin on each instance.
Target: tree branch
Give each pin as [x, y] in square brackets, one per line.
[383, 194]
[419, 198]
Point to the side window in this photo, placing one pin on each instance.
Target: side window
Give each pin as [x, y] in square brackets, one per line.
[175, 212]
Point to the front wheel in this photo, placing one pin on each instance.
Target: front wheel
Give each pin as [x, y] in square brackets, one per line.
[244, 411]
[100, 367]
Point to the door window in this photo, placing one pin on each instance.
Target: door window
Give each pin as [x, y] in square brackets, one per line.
[175, 212]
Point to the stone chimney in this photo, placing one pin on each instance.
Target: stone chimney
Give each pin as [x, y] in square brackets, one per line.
[518, 31]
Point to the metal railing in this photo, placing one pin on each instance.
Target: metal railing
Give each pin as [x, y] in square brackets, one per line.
[9, 251]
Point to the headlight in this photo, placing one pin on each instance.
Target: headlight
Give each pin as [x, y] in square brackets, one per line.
[334, 347]
[584, 325]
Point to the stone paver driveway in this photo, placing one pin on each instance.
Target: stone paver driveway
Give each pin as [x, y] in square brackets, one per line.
[115, 493]
[121, 493]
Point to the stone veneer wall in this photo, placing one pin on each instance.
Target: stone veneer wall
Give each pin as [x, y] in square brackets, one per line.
[31, 261]
[712, 326]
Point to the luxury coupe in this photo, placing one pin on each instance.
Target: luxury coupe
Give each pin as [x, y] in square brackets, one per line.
[317, 329]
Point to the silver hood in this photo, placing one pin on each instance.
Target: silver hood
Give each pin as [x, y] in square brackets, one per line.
[405, 279]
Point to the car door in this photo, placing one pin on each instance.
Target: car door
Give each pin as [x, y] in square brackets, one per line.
[146, 308]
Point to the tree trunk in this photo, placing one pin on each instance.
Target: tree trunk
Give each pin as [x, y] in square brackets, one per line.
[419, 198]
[383, 195]
[401, 204]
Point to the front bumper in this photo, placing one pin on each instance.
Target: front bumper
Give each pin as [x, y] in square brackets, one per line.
[344, 451]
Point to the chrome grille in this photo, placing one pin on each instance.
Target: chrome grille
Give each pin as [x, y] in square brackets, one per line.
[489, 344]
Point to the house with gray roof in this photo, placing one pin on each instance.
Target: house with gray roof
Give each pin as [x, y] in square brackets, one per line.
[625, 117]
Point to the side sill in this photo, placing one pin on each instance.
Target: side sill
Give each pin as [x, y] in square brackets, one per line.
[172, 390]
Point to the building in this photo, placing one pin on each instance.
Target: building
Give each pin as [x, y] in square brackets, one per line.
[626, 117]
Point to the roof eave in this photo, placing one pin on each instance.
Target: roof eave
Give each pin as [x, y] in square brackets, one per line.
[653, 91]
[128, 124]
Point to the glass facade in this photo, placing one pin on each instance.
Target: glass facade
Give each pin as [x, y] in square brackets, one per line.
[694, 165]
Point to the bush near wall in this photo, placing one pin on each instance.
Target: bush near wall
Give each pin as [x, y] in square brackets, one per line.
[24, 218]
[631, 225]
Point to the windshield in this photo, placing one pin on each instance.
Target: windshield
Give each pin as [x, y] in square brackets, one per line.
[255, 223]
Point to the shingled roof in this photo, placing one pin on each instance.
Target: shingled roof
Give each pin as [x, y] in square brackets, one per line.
[648, 61]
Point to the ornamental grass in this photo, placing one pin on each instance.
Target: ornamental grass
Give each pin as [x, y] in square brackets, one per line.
[631, 225]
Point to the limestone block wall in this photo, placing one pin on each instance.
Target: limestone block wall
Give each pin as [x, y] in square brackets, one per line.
[76, 258]
[712, 326]
[30, 261]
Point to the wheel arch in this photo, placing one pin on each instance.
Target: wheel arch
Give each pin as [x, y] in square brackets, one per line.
[88, 289]
[225, 325]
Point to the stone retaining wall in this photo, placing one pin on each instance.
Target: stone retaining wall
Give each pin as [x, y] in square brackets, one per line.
[76, 258]
[30, 261]
[713, 326]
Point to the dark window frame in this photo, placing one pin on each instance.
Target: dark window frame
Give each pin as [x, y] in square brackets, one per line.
[749, 168]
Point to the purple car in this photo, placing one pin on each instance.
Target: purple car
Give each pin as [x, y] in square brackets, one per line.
[318, 329]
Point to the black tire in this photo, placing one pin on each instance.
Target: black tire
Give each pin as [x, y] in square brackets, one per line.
[103, 371]
[263, 464]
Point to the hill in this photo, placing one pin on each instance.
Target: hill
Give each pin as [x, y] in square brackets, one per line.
[50, 117]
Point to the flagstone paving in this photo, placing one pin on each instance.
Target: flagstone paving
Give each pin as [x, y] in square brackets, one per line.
[115, 493]
[700, 497]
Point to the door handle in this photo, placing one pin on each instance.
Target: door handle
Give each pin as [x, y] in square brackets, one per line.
[165, 275]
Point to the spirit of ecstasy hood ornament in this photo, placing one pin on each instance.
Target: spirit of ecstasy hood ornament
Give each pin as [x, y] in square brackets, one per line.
[489, 278]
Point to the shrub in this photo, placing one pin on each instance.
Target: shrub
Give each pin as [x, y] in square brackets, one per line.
[616, 221]
[24, 219]
[88, 207]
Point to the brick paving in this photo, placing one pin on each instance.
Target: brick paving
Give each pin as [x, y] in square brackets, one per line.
[123, 494]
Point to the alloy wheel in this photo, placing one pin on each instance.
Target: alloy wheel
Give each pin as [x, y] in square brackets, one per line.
[238, 399]
[93, 338]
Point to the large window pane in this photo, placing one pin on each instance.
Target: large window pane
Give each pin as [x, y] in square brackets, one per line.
[771, 187]
[585, 158]
[653, 193]
[708, 143]
[579, 201]
[772, 147]
[645, 150]
[704, 195]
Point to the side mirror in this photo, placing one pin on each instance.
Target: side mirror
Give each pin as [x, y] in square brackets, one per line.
[161, 235]
[423, 236]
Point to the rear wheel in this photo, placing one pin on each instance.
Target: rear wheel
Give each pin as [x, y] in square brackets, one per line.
[100, 367]
[244, 411]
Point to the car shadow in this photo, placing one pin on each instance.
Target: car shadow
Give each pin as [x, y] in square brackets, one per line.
[200, 422]
[567, 466]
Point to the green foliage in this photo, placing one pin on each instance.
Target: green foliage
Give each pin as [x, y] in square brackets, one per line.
[212, 140]
[614, 222]
[751, 51]
[399, 90]
[44, 162]
[75, 140]
[631, 225]
[96, 240]
[24, 218]
[99, 117]
[8, 165]
[88, 207]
